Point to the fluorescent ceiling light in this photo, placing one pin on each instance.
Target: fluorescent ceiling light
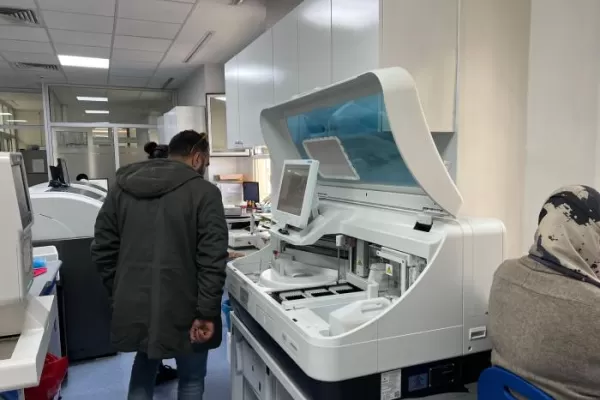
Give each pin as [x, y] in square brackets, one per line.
[16, 120]
[86, 98]
[100, 130]
[84, 62]
[220, 98]
[5, 114]
[97, 112]
[207, 36]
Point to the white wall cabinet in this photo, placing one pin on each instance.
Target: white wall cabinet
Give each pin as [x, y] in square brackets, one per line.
[326, 41]
[418, 35]
[255, 87]
[422, 36]
[314, 44]
[182, 118]
[355, 35]
[285, 57]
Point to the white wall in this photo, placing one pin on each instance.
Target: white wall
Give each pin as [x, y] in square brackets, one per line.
[562, 128]
[214, 78]
[209, 78]
[492, 110]
[231, 165]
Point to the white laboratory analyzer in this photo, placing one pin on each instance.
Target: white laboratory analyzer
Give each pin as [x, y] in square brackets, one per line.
[65, 215]
[373, 286]
[25, 321]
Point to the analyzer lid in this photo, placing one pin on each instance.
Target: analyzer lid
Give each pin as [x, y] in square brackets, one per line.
[369, 134]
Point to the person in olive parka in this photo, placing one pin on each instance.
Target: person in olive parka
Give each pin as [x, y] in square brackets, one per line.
[160, 245]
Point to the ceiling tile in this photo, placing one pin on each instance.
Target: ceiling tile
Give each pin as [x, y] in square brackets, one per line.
[94, 7]
[120, 96]
[25, 47]
[133, 27]
[137, 71]
[157, 83]
[14, 56]
[136, 55]
[127, 81]
[136, 43]
[154, 10]
[19, 32]
[133, 64]
[88, 80]
[86, 76]
[82, 51]
[39, 74]
[155, 96]
[18, 3]
[78, 22]
[77, 71]
[81, 38]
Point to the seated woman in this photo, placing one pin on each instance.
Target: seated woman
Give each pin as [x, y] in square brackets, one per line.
[545, 307]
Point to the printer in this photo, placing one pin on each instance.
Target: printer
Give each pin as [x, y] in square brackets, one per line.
[25, 321]
[373, 286]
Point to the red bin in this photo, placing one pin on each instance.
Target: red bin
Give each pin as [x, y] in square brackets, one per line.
[53, 374]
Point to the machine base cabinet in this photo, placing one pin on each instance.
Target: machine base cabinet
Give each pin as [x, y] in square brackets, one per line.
[84, 312]
[261, 370]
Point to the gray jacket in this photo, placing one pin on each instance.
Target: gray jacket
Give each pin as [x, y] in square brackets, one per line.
[545, 327]
[160, 246]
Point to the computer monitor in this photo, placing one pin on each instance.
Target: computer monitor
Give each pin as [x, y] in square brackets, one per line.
[16, 214]
[64, 171]
[251, 192]
[297, 192]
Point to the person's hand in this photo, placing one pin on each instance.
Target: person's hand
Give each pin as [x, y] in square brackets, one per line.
[201, 331]
[233, 255]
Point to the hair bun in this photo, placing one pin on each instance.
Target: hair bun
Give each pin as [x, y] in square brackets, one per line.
[150, 147]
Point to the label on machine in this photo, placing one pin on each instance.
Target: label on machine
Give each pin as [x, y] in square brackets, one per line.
[389, 269]
[391, 385]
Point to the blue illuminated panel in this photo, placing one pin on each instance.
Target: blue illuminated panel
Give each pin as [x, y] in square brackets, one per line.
[363, 129]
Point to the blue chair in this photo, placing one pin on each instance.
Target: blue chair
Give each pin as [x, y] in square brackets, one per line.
[496, 383]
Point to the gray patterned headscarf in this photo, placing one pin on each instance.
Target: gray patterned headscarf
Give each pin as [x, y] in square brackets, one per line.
[568, 235]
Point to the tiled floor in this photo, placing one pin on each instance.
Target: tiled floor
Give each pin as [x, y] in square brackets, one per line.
[108, 378]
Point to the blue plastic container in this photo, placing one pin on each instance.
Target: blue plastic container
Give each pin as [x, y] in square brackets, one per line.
[39, 263]
[226, 308]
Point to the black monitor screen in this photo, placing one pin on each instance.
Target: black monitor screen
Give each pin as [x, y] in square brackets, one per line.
[251, 192]
[22, 191]
[293, 188]
[64, 171]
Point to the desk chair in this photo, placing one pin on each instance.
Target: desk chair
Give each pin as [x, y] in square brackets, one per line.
[496, 383]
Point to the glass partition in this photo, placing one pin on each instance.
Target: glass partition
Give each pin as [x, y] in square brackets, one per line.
[131, 144]
[87, 150]
[70, 104]
[21, 121]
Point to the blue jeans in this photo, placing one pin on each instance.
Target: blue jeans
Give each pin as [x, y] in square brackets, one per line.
[191, 370]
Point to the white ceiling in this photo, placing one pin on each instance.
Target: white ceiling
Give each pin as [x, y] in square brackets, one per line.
[146, 40]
